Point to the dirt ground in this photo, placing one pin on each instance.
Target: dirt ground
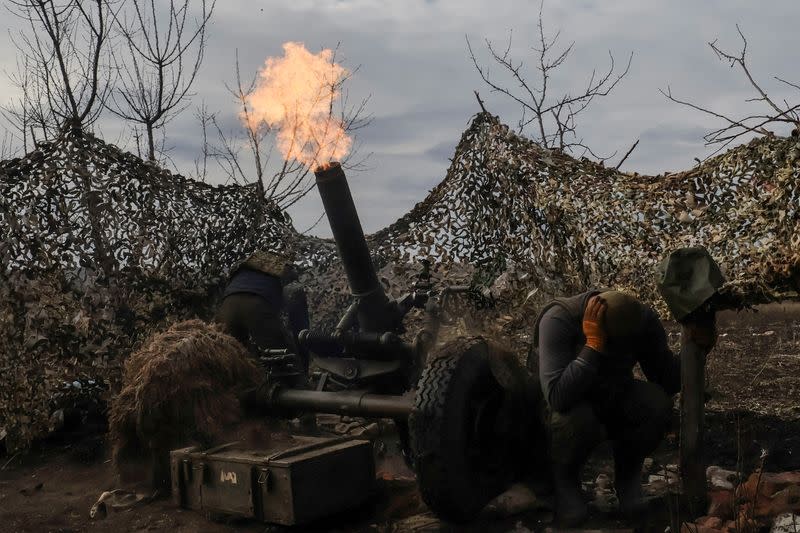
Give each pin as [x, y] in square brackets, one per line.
[753, 379]
[754, 408]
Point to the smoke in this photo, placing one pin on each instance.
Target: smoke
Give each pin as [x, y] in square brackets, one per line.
[296, 94]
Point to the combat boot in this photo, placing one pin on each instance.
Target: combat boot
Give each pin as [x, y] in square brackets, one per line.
[573, 437]
[571, 509]
[628, 484]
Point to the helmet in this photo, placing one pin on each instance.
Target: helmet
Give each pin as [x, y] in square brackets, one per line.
[687, 278]
[278, 264]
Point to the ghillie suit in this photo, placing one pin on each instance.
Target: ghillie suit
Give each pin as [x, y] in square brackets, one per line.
[183, 386]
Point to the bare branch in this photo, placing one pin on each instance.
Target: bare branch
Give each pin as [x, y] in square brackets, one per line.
[66, 55]
[314, 225]
[287, 182]
[754, 123]
[480, 102]
[555, 118]
[790, 84]
[7, 149]
[629, 152]
[162, 61]
[201, 163]
[741, 61]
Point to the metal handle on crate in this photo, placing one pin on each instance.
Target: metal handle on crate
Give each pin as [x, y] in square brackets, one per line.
[264, 473]
[264, 478]
[201, 467]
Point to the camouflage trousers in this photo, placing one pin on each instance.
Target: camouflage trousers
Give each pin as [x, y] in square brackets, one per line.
[252, 321]
[634, 417]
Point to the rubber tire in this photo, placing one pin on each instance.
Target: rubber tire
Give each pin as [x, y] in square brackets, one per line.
[455, 486]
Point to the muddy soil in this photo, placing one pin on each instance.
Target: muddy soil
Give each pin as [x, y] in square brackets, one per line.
[754, 381]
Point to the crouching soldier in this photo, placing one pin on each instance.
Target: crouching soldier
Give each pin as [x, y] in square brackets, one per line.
[588, 345]
[262, 288]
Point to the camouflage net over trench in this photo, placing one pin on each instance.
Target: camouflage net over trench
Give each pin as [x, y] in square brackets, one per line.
[98, 249]
[570, 224]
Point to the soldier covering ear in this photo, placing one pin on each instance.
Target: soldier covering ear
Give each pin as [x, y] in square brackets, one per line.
[588, 345]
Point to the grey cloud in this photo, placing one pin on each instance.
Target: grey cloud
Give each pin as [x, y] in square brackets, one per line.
[415, 65]
[440, 152]
[671, 133]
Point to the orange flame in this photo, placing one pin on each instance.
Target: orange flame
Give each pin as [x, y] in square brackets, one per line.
[296, 93]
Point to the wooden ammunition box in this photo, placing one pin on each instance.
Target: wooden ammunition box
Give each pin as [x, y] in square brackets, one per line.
[289, 486]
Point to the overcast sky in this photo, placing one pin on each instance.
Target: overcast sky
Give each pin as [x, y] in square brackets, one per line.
[414, 64]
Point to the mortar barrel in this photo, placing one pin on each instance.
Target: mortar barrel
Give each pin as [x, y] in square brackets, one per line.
[374, 313]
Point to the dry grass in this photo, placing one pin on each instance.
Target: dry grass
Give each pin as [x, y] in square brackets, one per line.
[183, 386]
[756, 362]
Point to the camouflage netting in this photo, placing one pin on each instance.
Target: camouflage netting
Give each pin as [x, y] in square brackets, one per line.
[574, 224]
[99, 249]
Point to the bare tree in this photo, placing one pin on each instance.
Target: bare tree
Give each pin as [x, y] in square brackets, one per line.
[29, 113]
[206, 119]
[553, 118]
[164, 56]
[63, 74]
[781, 113]
[19, 111]
[256, 134]
[64, 77]
[7, 149]
[286, 182]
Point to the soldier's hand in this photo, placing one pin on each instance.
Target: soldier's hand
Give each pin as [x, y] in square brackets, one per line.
[593, 323]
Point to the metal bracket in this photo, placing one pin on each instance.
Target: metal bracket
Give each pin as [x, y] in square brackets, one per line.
[323, 380]
[203, 475]
[186, 467]
[264, 478]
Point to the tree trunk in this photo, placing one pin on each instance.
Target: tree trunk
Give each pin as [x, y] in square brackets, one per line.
[151, 149]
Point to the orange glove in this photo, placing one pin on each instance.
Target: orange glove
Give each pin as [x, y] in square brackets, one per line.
[593, 318]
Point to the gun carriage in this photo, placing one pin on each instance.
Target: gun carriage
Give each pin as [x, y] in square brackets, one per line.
[463, 409]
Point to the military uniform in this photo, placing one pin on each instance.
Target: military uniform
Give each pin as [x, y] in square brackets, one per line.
[259, 291]
[593, 397]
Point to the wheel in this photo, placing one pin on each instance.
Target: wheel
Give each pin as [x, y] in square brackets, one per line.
[465, 430]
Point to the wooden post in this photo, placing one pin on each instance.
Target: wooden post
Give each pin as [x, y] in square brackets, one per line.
[689, 280]
[692, 407]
